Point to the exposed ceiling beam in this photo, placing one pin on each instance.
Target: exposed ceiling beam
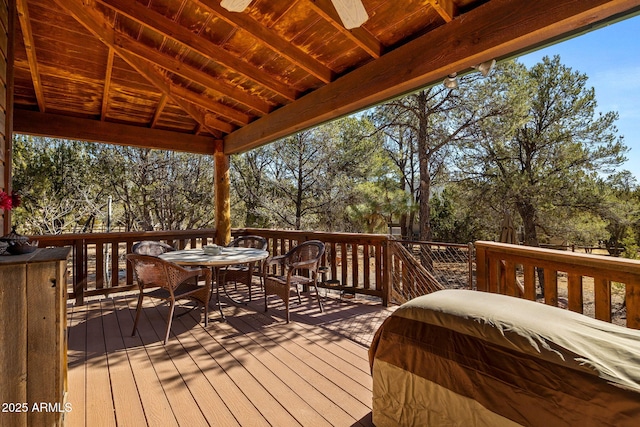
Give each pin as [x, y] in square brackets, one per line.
[97, 25]
[56, 126]
[174, 65]
[447, 9]
[173, 31]
[27, 35]
[107, 85]
[497, 29]
[359, 35]
[161, 104]
[270, 38]
[206, 102]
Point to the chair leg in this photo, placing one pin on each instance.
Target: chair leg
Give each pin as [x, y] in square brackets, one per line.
[286, 308]
[138, 310]
[206, 314]
[318, 296]
[169, 319]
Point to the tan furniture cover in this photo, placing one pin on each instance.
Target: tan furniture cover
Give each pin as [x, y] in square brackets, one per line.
[468, 358]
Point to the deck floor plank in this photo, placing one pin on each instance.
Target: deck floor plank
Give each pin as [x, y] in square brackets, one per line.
[253, 369]
[251, 387]
[334, 383]
[126, 400]
[99, 408]
[274, 375]
[322, 395]
[157, 408]
[207, 356]
[76, 362]
[153, 323]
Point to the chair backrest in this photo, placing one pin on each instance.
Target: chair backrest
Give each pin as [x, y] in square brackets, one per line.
[309, 253]
[150, 247]
[251, 241]
[151, 271]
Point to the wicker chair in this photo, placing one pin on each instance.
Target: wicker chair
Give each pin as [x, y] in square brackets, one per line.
[170, 281]
[302, 258]
[243, 273]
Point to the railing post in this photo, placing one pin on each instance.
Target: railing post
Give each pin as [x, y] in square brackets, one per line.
[482, 272]
[632, 299]
[222, 195]
[79, 272]
[386, 273]
[470, 258]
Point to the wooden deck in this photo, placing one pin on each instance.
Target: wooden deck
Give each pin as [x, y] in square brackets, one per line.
[253, 369]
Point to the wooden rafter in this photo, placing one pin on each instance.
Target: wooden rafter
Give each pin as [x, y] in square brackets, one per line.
[58, 126]
[204, 102]
[359, 36]
[271, 39]
[27, 35]
[447, 9]
[497, 29]
[173, 31]
[159, 108]
[95, 23]
[170, 63]
[107, 84]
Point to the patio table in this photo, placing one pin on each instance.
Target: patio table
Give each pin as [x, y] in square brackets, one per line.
[228, 256]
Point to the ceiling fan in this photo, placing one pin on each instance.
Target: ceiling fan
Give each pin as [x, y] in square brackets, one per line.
[351, 12]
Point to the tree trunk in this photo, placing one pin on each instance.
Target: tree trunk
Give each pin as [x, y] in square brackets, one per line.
[528, 215]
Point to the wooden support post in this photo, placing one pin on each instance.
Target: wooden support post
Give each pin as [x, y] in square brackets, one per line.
[222, 195]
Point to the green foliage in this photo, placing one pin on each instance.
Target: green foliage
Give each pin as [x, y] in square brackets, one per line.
[446, 223]
[541, 156]
[66, 185]
[60, 192]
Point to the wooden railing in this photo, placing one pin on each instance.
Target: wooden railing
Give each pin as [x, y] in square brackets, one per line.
[512, 270]
[379, 266]
[98, 265]
[410, 279]
[358, 263]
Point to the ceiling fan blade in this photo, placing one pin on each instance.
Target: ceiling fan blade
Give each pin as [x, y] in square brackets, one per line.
[351, 12]
[235, 5]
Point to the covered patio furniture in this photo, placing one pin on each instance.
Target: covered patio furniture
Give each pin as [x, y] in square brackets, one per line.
[171, 282]
[469, 358]
[243, 273]
[298, 267]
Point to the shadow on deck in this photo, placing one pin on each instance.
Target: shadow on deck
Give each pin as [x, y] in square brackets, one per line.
[253, 369]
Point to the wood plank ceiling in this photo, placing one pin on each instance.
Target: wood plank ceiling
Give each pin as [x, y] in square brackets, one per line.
[183, 74]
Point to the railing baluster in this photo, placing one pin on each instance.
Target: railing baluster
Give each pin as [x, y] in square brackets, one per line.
[632, 299]
[574, 292]
[510, 279]
[366, 267]
[602, 295]
[355, 265]
[99, 265]
[529, 282]
[551, 287]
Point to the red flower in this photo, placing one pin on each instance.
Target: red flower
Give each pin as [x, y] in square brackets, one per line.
[5, 201]
[16, 199]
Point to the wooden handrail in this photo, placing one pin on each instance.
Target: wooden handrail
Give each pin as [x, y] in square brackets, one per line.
[498, 264]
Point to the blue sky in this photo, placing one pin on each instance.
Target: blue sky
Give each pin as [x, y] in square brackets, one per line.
[610, 57]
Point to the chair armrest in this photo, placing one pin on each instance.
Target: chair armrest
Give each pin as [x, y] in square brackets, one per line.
[303, 264]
